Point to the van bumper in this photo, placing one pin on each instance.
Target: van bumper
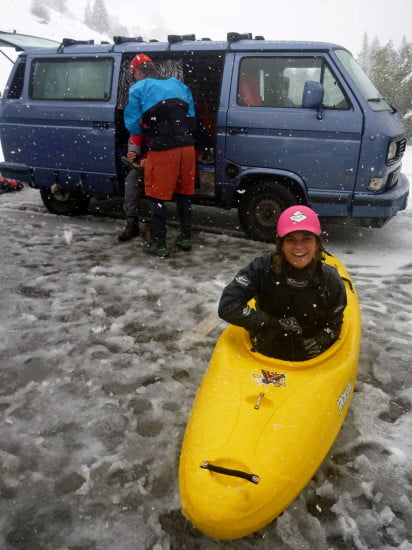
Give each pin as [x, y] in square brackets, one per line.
[39, 178]
[16, 171]
[382, 205]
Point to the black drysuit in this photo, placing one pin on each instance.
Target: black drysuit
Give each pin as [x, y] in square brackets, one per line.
[315, 299]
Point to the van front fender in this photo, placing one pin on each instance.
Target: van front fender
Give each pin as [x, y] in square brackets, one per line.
[291, 181]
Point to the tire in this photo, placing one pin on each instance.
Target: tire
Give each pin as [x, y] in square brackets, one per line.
[260, 207]
[65, 202]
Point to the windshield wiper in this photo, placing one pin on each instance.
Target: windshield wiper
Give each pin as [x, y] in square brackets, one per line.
[375, 99]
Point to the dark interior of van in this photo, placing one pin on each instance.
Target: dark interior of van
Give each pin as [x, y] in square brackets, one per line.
[202, 74]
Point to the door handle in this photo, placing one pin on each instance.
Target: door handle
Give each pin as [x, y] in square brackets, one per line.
[238, 130]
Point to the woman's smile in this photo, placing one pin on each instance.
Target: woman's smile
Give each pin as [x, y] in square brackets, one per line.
[300, 248]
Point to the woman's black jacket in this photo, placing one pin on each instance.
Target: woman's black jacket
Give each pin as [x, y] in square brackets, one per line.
[315, 299]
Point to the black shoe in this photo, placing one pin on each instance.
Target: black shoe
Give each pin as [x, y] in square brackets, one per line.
[131, 230]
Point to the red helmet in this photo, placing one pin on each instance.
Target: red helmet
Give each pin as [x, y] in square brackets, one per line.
[138, 60]
[298, 218]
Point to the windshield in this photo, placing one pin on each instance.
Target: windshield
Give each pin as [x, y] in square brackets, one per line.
[375, 101]
[22, 41]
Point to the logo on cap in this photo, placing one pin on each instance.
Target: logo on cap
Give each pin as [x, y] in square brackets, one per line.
[298, 216]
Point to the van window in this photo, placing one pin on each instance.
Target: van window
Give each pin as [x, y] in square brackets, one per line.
[375, 101]
[16, 86]
[71, 79]
[279, 82]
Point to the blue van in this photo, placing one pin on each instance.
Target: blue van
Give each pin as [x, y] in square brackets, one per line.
[279, 123]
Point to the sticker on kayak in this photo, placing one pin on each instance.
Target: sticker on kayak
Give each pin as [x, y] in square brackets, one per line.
[271, 378]
[344, 397]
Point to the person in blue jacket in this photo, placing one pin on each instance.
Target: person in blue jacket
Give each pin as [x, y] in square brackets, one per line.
[299, 299]
[162, 110]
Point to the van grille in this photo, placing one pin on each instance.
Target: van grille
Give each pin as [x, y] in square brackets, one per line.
[16, 86]
[400, 148]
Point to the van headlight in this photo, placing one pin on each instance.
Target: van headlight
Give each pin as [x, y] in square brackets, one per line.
[392, 149]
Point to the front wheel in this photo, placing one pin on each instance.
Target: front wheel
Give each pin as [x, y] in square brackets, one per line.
[66, 202]
[260, 207]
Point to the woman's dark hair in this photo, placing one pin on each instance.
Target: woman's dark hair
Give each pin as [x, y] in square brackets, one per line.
[278, 258]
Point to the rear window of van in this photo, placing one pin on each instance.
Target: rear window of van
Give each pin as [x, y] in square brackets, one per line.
[80, 79]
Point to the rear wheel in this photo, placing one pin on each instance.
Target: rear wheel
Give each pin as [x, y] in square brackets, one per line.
[66, 202]
[260, 207]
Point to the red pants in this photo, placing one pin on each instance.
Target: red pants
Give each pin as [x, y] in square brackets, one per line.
[169, 172]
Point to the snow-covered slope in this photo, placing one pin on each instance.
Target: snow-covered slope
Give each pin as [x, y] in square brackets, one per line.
[16, 16]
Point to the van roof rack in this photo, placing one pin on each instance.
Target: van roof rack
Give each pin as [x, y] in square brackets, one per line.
[236, 36]
[125, 39]
[175, 38]
[171, 38]
[71, 42]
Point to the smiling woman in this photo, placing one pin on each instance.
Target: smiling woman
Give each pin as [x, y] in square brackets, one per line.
[300, 233]
[300, 248]
[299, 299]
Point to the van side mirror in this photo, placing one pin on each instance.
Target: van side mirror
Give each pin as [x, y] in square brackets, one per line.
[313, 97]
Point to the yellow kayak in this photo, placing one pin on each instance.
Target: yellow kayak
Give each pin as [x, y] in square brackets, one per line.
[260, 427]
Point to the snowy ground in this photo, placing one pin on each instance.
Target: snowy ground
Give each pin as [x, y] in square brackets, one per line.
[102, 351]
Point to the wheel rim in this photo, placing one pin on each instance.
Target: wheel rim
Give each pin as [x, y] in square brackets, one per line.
[61, 195]
[267, 213]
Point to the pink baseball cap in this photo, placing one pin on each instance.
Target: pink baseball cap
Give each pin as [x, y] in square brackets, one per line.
[298, 218]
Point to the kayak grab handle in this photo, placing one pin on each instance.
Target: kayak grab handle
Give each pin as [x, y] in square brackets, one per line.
[253, 478]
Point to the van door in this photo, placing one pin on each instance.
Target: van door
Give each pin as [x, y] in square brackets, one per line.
[268, 128]
[67, 134]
